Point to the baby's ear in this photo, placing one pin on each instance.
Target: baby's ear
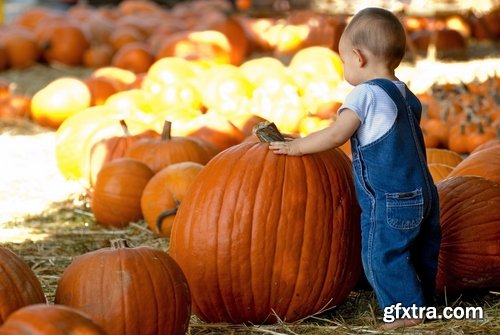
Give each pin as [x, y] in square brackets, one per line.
[360, 57]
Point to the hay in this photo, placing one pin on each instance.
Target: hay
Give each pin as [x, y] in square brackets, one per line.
[71, 230]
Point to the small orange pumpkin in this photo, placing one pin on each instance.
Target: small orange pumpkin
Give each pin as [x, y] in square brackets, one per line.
[43, 319]
[164, 193]
[109, 149]
[97, 56]
[135, 57]
[60, 99]
[66, 44]
[158, 153]
[116, 200]
[21, 47]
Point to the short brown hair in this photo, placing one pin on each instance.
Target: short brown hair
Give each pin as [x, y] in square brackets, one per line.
[380, 32]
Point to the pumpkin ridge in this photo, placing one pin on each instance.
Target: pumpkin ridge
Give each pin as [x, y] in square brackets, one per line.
[175, 298]
[290, 180]
[144, 260]
[17, 271]
[281, 165]
[241, 202]
[235, 176]
[16, 267]
[227, 170]
[327, 250]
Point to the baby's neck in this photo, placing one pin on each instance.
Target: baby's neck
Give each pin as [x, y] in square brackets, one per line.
[379, 72]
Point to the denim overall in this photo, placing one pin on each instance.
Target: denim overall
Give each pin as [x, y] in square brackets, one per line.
[400, 225]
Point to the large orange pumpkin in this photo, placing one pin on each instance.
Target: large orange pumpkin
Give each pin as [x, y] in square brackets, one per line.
[262, 236]
[469, 256]
[484, 163]
[128, 291]
[43, 319]
[19, 286]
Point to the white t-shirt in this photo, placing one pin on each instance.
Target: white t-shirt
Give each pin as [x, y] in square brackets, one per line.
[375, 109]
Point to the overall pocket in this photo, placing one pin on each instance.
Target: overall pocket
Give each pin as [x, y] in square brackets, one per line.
[404, 210]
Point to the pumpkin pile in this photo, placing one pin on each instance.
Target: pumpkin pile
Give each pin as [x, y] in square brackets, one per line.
[135, 33]
[461, 117]
[209, 108]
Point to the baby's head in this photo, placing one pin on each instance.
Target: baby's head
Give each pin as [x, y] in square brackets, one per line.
[380, 32]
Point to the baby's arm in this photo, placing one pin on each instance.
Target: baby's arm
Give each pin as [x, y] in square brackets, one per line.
[331, 137]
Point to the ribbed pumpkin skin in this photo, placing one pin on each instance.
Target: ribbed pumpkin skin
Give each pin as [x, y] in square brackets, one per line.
[128, 291]
[159, 153]
[260, 233]
[116, 200]
[484, 163]
[443, 156]
[42, 319]
[109, 149]
[490, 144]
[439, 171]
[19, 286]
[470, 221]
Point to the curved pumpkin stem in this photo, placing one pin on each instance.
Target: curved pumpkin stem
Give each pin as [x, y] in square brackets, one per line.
[165, 214]
[166, 132]
[126, 132]
[119, 243]
[267, 132]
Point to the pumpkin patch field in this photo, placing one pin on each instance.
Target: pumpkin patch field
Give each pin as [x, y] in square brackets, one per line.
[138, 194]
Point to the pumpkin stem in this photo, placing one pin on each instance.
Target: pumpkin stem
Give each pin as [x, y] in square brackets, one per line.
[119, 243]
[126, 132]
[166, 132]
[163, 215]
[480, 128]
[267, 132]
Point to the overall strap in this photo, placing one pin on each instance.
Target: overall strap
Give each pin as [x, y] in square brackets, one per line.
[392, 90]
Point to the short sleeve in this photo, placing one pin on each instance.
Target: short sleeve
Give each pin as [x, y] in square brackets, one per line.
[359, 101]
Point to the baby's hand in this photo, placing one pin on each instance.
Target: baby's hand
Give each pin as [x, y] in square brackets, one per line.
[285, 148]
